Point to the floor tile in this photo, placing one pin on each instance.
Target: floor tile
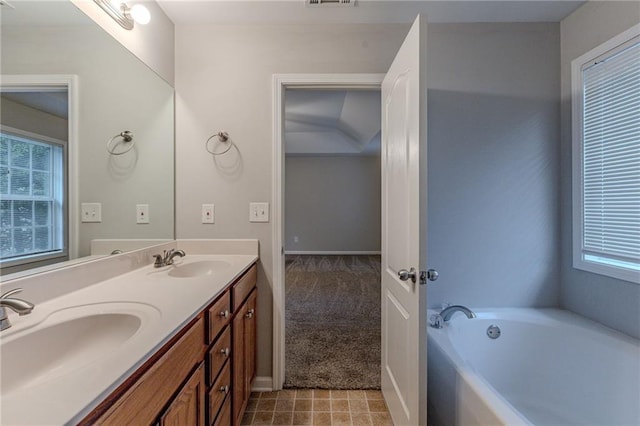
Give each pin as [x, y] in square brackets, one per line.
[303, 405]
[377, 405]
[266, 405]
[304, 394]
[321, 394]
[317, 407]
[284, 405]
[340, 405]
[339, 394]
[358, 406]
[322, 419]
[374, 394]
[339, 419]
[361, 419]
[247, 419]
[282, 419]
[321, 405]
[302, 418]
[263, 418]
[357, 394]
[381, 419]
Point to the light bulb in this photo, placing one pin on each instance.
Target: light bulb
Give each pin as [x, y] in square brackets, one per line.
[140, 14]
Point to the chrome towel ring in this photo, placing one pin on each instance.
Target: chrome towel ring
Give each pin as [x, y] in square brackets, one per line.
[223, 137]
[126, 136]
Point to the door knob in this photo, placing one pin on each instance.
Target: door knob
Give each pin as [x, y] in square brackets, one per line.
[404, 275]
[432, 275]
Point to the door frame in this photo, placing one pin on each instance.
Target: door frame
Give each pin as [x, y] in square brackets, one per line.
[281, 82]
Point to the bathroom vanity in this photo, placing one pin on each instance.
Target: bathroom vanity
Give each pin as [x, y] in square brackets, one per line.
[202, 376]
[174, 345]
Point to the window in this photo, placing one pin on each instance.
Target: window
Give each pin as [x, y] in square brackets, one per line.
[32, 188]
[606, 123]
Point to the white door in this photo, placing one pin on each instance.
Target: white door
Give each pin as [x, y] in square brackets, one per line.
[404, 198]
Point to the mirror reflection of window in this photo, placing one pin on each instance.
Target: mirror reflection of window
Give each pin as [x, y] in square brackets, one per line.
[33, 178]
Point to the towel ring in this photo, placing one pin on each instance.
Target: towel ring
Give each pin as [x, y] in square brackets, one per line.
[222, 137]
[126, 136]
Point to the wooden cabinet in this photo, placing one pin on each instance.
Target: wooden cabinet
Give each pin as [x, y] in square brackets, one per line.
[187, 408]
[244, 347]
[192, 380]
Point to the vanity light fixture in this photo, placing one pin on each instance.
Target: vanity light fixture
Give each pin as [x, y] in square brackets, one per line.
[123, 14]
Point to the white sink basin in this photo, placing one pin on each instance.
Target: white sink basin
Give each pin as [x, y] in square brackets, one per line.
[201, 268]
[68, 340]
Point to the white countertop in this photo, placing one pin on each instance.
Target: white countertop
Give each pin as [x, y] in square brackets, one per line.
[164, 303]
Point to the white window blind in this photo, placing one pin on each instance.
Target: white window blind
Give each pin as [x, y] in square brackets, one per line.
[611, 158]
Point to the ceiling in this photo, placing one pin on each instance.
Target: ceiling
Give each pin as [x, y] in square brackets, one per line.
[332, 122]
[53, 101]
[365, 11]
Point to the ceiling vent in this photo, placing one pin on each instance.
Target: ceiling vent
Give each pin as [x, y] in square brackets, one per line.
[324, 3]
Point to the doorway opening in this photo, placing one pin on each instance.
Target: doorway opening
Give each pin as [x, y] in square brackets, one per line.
[332, 238]
[283, 85]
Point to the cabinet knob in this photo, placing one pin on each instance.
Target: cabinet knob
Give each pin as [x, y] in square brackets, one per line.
[250, 314]
[225, 351]
[224, 314]
[224, 389]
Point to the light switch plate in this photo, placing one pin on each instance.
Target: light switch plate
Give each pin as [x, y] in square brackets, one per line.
[142, 213]
[91, 212]
[208, 213]
[258, 212]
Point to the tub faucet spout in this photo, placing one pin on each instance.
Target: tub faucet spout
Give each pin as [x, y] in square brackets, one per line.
[438, 320]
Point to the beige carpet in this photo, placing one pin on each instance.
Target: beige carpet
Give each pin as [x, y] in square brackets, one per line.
[332, 325]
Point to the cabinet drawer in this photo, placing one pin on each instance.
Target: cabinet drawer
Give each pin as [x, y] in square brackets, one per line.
[243, 287]
[219, 316]
[219, 391]
[224, 416]
[218, 355]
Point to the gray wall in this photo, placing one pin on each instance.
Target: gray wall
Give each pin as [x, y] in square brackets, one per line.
[493, 159]
[235, 95]
[332, 203]
[116, 92]
[613, 302]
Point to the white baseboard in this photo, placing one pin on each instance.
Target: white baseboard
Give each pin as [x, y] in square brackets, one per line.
[332, 253]
[262, 384]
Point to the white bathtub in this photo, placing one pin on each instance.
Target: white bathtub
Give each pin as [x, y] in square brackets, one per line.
[548, 367]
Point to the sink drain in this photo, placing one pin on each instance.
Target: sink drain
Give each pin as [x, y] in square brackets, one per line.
[493, 331]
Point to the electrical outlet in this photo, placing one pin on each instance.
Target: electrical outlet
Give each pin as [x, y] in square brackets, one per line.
[142, 213]
[91, 212]
[208, 213]
[296, 239]
[258, 212]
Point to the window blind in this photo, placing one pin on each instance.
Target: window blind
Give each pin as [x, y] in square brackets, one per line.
[611, 158]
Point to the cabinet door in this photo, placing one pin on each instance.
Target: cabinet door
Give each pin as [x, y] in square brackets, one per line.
[187, 408]
[250, 334]
[238, 387]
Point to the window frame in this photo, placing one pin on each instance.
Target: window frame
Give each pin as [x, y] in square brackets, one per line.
[612, 46]
[69, 82]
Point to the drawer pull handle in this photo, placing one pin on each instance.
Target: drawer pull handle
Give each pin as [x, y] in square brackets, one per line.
[225, 351]
[224, 314]
[224, 389]
[250, 314]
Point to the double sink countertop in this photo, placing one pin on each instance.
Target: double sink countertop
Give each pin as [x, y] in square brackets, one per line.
[59, 362]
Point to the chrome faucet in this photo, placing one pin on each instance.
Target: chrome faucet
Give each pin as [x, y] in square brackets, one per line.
[438, 320]
[166, 258]
[21, 307]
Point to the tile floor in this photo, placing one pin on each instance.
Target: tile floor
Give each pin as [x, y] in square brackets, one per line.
[317, 407]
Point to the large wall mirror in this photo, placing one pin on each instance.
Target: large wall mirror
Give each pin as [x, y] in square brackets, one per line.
[67, 89]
